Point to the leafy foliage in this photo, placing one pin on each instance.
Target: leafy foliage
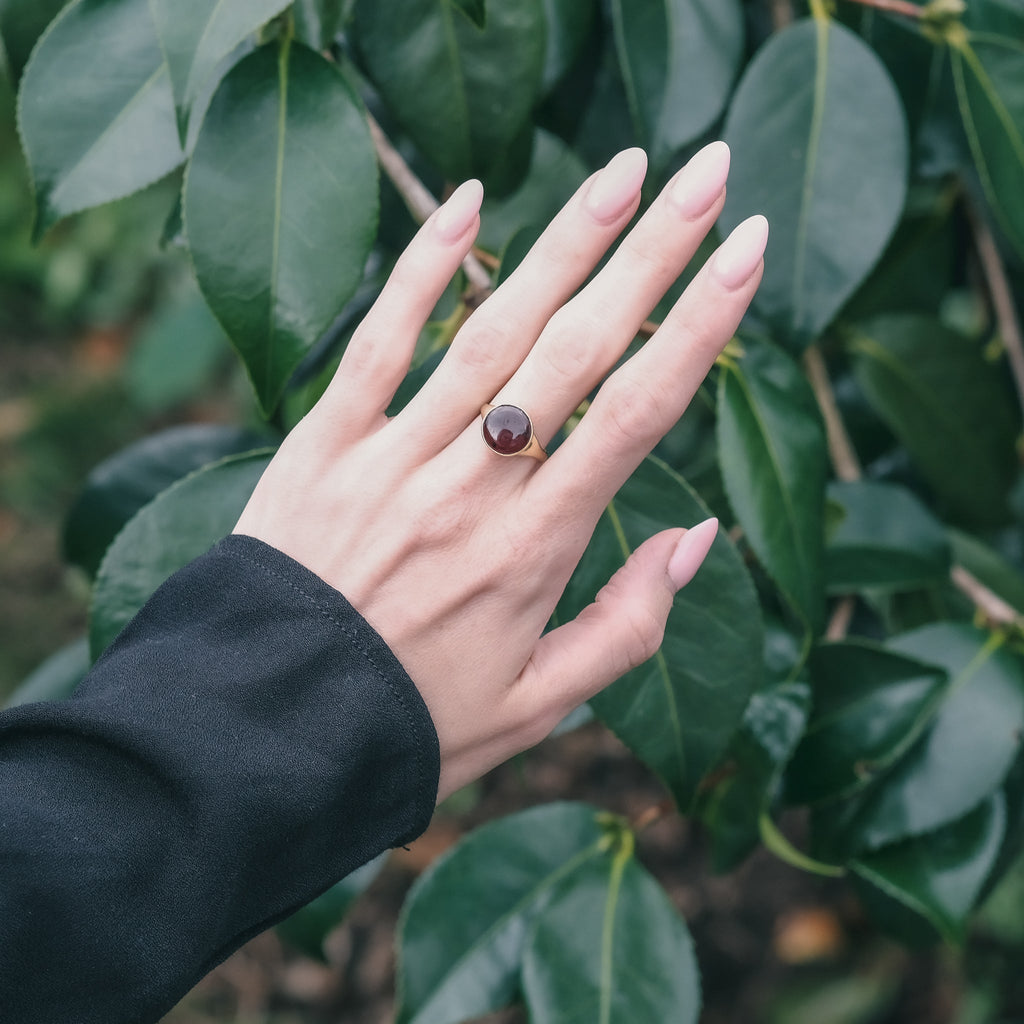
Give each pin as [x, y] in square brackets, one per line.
[854, 644]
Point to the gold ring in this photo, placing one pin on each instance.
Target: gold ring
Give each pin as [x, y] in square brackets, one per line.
[508, 431]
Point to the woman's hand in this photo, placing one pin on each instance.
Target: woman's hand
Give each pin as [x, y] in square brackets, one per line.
[458, 556]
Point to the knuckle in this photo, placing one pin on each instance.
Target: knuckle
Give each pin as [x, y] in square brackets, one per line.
[484, 343]
[632, 411]
[569, 348]
[644, 633]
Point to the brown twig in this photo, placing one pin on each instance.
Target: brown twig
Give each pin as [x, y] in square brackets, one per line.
[418, 198]
[1007, 321]
[842, 615]
[650, 815]
[782, 14]
[903, 7]
[995, 610]
[844, 457]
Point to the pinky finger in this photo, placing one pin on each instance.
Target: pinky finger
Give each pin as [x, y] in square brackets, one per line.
[622, 628]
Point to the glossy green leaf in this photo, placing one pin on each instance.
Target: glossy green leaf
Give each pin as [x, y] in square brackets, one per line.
[56, 678]
[772, 726]
[870, 705]
[947, 405]
[119, 486]
[463, 93]
[317, 22]
[941, 875]
[774, 461]
[568, 25]
[554, 175]
[886, 540]
[21, 23]
[466, 919]
[677, 711]
[961, 758]
[178, 525]
[819, 146]
[308, 928]
[119, 134]
[280, 207]
[679, 59]
[990, 93]
[475, 10]
[175, 357]
[196, 35]
[611, 948]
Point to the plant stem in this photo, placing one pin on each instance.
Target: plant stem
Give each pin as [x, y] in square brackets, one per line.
[418, 198]
[844, 457]
[995, 610]
[904, 7]
[1007, 322]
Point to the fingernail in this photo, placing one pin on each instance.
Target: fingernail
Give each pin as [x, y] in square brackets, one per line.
[455, 217]
[615, 187]
[691, 551]
[738, 256]
[701, 181]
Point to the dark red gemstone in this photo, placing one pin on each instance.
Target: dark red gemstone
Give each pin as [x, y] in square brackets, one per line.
[507, 429]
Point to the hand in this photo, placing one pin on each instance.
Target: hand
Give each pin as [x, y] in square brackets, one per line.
[457, 556]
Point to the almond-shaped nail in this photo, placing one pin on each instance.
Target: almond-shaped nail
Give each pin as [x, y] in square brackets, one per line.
[701, 181]
[739, 255]
[691, 551]
[614, 188]
[455, 217]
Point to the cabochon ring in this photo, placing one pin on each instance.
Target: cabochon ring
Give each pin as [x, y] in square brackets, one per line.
[508, 431]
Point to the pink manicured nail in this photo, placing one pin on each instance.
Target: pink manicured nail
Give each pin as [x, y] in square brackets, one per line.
[738, 256]
[613, 189]
[691, 551]
[701, 181]
[455, 217]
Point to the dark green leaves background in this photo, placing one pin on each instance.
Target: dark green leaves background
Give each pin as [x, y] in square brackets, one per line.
[835, 652]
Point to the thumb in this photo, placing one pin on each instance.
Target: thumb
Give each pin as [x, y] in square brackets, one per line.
[623, 627]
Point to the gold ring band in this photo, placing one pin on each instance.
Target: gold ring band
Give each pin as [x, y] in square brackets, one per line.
[508, 430]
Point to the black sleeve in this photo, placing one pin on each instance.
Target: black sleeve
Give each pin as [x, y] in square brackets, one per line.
[246, 742]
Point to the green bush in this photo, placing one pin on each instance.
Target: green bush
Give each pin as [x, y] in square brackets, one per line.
[854, 645]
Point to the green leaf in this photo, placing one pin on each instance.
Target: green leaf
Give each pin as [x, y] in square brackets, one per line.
[466, 919]
[554, 174]
[941, 875]
[886, 540]
[611, 948]
[307, 929]
[119, 486]
[475, 10]
[772, 726]
[990, 94]
[280, 207]
[870, 705]
[774, 461]
[179, 524]
[947, 405]
[196, 35]
[175, 357]
[819, 146]
[56, 678]
[962, 757]
[677, 711]
[21, 23]
[463, 93]
[679, 59]
[317, 22]
[568, 24]
[119, 133]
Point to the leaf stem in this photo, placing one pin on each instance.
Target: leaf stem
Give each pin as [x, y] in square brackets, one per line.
[1007, 321]
[844, 457]
[903, 7]
[418, 198]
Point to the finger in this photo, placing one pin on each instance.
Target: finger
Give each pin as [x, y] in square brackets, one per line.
[639, 403]
[495, 339]
[622, 628]
[381, 349]
[584, 340]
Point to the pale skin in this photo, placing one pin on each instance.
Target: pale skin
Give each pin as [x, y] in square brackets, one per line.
[458, 556]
